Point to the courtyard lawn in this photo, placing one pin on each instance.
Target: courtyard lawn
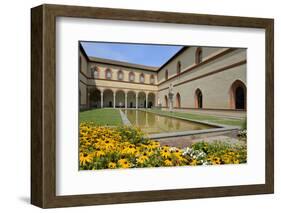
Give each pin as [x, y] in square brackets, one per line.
[110, 117]
[207, 118]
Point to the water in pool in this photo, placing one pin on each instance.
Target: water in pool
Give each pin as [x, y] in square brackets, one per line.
[152, 123]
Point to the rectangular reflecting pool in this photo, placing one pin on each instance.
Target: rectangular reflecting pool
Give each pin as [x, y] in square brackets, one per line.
[152, 123]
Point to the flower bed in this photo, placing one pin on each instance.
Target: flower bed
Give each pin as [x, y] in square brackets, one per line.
[127, 147]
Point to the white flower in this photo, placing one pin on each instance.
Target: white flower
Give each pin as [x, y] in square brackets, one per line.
[173, 149]
[187, 151]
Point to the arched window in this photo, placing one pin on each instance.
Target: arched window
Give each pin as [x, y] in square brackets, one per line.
[238, 95]
[152, 79]
[178, 101]
[166, 75]
[142, 78]
[198, 99]
[94, 72]
[120, 75]
[131, 76]
[178, 67]
[108, 74]
[198, 55]
[166, 101]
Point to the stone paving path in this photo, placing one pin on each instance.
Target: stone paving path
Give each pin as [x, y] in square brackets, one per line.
[184, 141]
[219, 138]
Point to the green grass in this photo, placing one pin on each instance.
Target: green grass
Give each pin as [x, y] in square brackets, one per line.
[110, 117]
[208, 118]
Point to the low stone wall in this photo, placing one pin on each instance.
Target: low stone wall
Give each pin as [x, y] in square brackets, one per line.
[124, 118]
[187, 140]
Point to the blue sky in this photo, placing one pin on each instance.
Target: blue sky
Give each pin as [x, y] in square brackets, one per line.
[149, 55]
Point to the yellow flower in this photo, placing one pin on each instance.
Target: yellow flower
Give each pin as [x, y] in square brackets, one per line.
[216, 160]
[124, 163]
[154, 144]
[150, 152]
[85, 158]
[142, 159]
[144, 146]
[236, 161]
[226, 160]
[108, 144]
[165, 153]
[177, 153]
[168, 162]
[193, 162]
[98, 153]
[180, 160]
[129, 150]
[231, 153]
[112, 165]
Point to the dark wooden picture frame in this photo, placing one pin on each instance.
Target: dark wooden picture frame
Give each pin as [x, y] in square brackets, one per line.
[43, 105]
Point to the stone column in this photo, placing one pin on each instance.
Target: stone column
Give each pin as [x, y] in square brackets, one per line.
[101, 98]
[114, 96]
[137, 100]
[126, 100]
[146, 100]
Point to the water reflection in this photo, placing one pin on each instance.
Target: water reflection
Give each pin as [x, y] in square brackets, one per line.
[152, 123]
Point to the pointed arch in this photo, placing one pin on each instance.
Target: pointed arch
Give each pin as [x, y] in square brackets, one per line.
[166, 101]
[238, 95]
[198, 99]
[178, 100]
